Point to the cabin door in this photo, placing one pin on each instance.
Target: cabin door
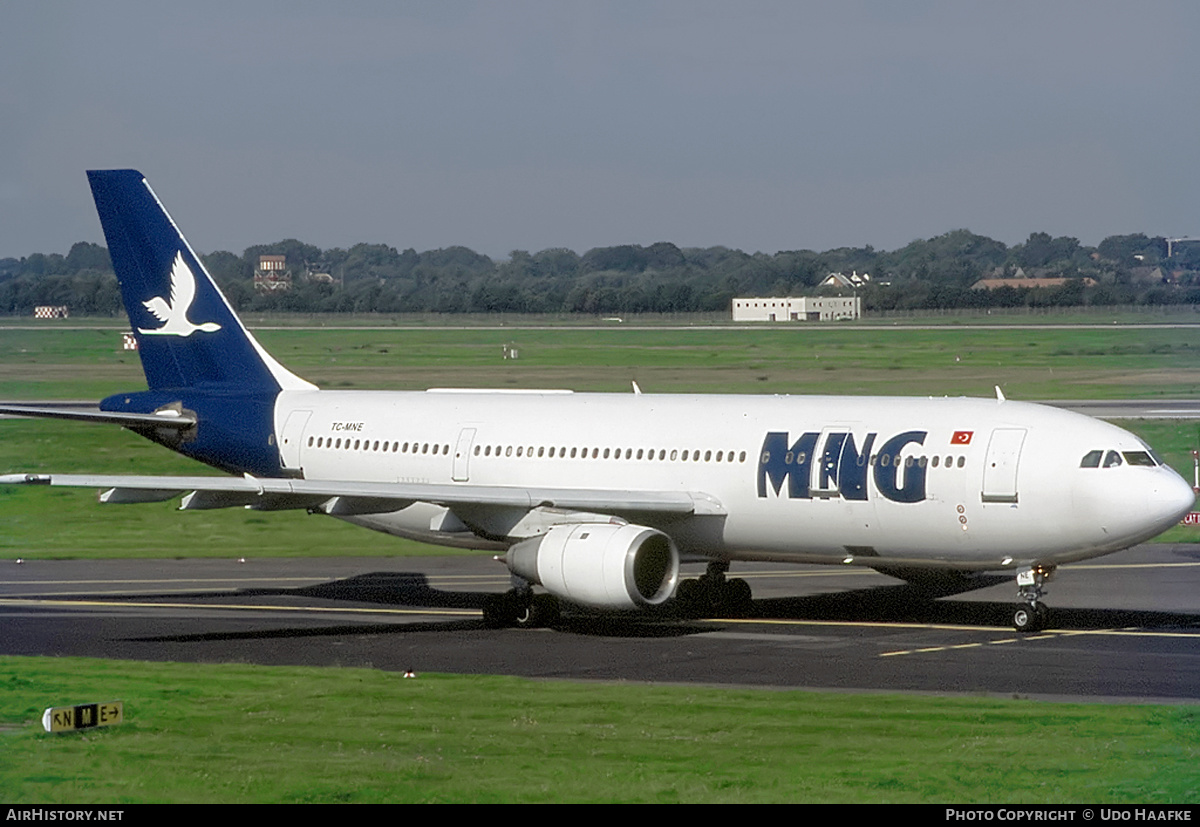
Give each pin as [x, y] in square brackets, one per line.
[1000, 468]
[293, 433]
[462, 455]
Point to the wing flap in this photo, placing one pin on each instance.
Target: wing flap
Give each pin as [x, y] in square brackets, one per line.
[364, 497]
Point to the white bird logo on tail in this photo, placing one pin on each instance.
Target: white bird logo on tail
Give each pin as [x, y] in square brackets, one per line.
[173, 314]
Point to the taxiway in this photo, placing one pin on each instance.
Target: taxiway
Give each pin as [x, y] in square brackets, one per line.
[1125, 627]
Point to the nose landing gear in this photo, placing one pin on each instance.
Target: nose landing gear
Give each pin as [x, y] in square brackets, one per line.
[1031, 614]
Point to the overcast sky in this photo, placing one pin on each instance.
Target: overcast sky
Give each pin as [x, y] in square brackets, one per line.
[524, 125]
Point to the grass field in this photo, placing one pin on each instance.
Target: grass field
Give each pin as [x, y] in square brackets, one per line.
[1049, 363]
[238, 733]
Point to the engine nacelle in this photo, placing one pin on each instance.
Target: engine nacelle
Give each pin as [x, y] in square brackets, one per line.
[601, 565]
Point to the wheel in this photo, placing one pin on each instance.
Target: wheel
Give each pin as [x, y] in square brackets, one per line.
[690, 597]
[535, 611]
[735, 597]
[1043, 616]
[524, 616]
[496, 611]
[1029, 618]
[545, 610]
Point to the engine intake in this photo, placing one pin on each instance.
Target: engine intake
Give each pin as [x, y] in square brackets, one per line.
[600, 565]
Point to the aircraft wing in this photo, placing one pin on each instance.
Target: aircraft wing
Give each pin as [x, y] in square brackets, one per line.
[367, 497]
[166, 419]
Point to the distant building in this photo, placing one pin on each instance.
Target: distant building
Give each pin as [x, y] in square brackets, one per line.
[1025, 284]
[272, 275]
[51, 311]
[801, 309]
[854, 281]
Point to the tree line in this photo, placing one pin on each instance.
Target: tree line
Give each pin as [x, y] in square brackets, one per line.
[935, 273]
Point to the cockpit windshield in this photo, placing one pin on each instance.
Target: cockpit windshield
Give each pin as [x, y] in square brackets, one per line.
[1139, 458]
[1112, 459]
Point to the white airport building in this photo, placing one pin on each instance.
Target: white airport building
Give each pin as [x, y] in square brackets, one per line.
[797, 309]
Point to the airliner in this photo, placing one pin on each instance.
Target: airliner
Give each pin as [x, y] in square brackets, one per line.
[596, 498]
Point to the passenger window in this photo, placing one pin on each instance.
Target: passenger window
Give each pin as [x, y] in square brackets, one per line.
[1112, 459]
[1091, 459]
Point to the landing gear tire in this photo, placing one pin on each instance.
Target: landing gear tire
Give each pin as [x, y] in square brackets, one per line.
[712, 594]
[735, 597]
[520, 609]
[542, 611]
[495, 611]
[1030, 618]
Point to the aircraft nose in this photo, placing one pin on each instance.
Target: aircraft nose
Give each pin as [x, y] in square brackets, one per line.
[1177, 497]
[1170, 499]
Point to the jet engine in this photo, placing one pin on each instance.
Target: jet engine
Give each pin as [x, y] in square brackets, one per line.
[605, 566]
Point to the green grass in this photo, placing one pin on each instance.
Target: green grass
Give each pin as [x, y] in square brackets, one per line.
[237, 733]
[1071, 363]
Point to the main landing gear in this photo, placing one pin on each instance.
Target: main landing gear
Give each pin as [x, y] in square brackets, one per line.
[522, 608]
[713, 593]
[1031, 614]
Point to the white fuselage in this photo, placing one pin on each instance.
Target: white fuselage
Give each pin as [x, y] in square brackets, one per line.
[960, 483]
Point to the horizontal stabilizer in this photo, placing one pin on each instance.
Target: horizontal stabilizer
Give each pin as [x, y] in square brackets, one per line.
[167, 419]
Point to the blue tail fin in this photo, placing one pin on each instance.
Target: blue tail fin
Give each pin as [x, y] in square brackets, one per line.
[197, 356]
[188, 336]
